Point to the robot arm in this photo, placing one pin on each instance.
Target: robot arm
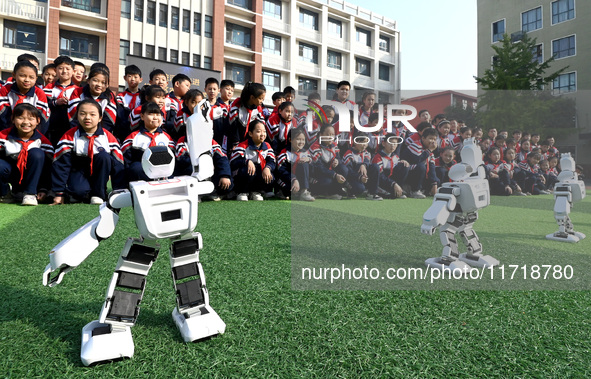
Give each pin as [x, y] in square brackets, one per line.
[73, 250]
[199, 137]
[444, 202]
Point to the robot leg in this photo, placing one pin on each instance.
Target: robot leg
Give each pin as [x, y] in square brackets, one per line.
[193, 315]
[566, 232]
[109, 338]
[474, 255]
[449, 257]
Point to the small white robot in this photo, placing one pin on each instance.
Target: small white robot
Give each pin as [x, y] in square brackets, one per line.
[163, 208]
[567, 191]
[455, 209]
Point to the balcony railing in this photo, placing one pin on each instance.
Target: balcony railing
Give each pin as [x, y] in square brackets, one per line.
[31, 12]
[274, 61]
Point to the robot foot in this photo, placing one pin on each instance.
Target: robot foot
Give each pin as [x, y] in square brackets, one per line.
[580, 235]
[200, 325]
[479, 260]
[446, 263]
[565, 237]
[101, 343]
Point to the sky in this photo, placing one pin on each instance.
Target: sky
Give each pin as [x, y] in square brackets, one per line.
[438, 41]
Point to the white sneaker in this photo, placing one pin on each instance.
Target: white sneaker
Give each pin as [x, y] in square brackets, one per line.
[336, 196]
[214, 196]
[307, 196]
[30, 200]
[242, 197]
[373, 197]
[257, 196]
[95, 200]
[418, 194]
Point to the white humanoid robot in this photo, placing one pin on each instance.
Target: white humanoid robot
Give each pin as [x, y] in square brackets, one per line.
[163, 208]
[455, 209]
[567, 191]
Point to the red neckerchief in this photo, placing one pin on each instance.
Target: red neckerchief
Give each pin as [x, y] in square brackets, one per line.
[91, 150]
[21, 162]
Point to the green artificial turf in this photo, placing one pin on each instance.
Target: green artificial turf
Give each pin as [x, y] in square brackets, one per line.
[275, 329]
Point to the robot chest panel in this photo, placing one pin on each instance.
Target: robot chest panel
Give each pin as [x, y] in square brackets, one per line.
[165, 209]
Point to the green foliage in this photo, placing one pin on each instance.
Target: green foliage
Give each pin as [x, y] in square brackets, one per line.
[457, 112]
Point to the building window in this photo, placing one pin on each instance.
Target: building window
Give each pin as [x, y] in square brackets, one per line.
[174, 18]
[384, 43]
[563, 10]
[137, 49]
[238, 73]
[151, 16]
[362, 67]
[364, 37]
[309, 19]
[308, 53]
[271, 44]
[197, 23]
[185, 59]
[335, 28]
[162, 53]
[334, 59]
[79, 45]
[123, 51]
[207, 63]
[186, 20]
[174, 56]
[384, 72]
[331, 90]
[246, 4]
[126, 8]
[272, 81]
[531, 20]
[564, 47]
[163, 16]
[150, 52]
[498, 29]
[307, 85]
[84, 5]
[208, 26]
[538, 54]
[272, 8]
[565, 83]
[138, 13]
[237, 35]
[20, 35]
[196, 60]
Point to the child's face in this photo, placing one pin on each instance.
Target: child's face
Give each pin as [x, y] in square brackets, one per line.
[444, 129]
[448, 156]
[97, 84]
[328, 136]
[485, 144]
[212, 90]
[389, 146]
[535, 139]
[192, 103]
[277, 102]
[369, 101]
[478, 134]
[286, 113]
[494, 156]
[49, 75]
[504, 134]
[298, 143]
[25, 124]
[429, 142]
[132, 80]
[159, 80]
[551, 141]
[227, 92]
[511, 145]
[181, 88]
[517, 136]
[151, 120]
[159, 99]
[525, 145]
[89, 117]
[533, 161]
[360, 144]
[79, 73]
[553, 162]
[343, 92]
[64, 72]
[425, 116]
[258, 101]
[258, 134]
[330, 116]
[544, 165]
[510, 155]
[290, 97]
[373, 122]
[25, 79]
[466, 134]
[453, 126]
[500, 143]
[544, 148]
[492, 134]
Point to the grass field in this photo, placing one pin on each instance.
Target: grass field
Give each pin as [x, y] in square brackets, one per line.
[274, 329]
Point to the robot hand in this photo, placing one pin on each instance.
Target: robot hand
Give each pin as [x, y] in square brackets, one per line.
[427, 229]
[48, 281]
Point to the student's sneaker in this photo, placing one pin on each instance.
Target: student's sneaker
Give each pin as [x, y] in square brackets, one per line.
[306, 196]
[374, 197]
[281, 196]
[95, 200]
[213, 196]
[268, 195]
[230, 195]
[242, 197]
[519, 193]
[336, 196]
[30, 200]
[7, 199]
[257, 196]
[418, 194]
[544, 192]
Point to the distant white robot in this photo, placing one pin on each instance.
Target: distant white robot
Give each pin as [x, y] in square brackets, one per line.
[163, 208]
[455, 209]
[567, 191]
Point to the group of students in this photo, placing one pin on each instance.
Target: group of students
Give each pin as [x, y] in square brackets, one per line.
[61, 141]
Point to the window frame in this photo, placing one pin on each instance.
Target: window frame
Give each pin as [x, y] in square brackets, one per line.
[336, 54]
[175, 25]
[121, 49]
[275, 75]
[306, 14]
[557, 15]
[163, 15]
[230, 73]
[387, 67]
[387, 41]
[72, 53]
[138, 10]
[358, 63]
[559, 91]
[39, 33]
[359, 31]
[498, 36]
[302, 46]
[151, 8]
[124, 13]
[337, 23]
[574, 46]
[540, 20]
[276, 38]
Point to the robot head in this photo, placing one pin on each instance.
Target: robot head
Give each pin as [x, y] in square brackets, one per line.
[471, 162]
[567, 163]
[158, 162]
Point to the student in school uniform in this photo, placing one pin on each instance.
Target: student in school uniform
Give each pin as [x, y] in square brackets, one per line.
[393, 170]
[58, 96]
[422, 175]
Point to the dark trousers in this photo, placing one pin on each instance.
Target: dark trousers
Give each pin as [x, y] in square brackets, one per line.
[9, 173]
[244, 183]
[357, 187]
[82, 185]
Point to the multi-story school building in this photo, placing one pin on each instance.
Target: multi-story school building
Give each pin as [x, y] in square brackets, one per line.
[561, 30]
[308, 44]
